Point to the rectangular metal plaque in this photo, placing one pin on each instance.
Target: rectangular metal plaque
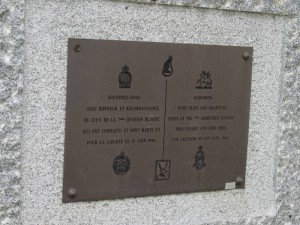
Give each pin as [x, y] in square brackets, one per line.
[154, 118]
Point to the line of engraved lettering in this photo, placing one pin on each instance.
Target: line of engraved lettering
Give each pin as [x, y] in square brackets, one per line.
[152, 119]
[177, 118]
[196, 107]
[201, 128]
[114, 141]
[111, 131]
[200, 138]
[199, 97]
[227, 117]
[109, 119]
[213, 138]
[96, 120]
[120, 130]
[134, 119]
[145, 119]
[121, 141]
[122, 119]
[183, 139]
[142, 108]
[123, 97]
[142, 129]
[190, 107]
[102, 108]
[110, 108]
[216, 107]
[209, 118]
[91, 108]
[193, 128]
[188, 139]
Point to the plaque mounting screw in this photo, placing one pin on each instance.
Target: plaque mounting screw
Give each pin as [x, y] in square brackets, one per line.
[77, 48]
[246, 55]
[239, 181]
[72, 193]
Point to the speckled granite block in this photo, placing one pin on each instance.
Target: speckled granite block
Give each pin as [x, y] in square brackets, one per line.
[287, 179]
[281, 7]
[272, 195]
[49, 24]
[11, 74]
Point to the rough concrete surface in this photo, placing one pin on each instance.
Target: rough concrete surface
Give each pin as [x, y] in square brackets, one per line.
[49, 24]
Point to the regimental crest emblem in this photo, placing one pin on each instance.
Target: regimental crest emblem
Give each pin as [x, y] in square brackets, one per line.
[162, 169]
[199, 159]
[205, 81]
[121, 164]
[168, 67]
[125, 78]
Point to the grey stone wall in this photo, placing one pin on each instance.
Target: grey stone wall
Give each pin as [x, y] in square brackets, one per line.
[12, 64]
[288, 152]
[280, 7]
[11, 74]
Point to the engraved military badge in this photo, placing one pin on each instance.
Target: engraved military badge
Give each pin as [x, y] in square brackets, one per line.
[125, 78]
[162, 169]
[121, 164]
[168, 68]
[205, 81]
[199, 159]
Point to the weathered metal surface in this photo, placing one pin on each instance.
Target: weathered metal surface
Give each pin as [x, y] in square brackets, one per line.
[154, 118]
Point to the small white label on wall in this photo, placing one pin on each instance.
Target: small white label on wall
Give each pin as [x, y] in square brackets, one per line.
[230, 185]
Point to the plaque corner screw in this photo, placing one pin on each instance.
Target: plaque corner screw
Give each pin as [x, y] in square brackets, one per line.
[77, 48]
[246, 55]
[72, 193]
[239, 181]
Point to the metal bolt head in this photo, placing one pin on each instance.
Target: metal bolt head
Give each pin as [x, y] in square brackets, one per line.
[246, 55]
[239, 181]
[72, 193]
[77, 48]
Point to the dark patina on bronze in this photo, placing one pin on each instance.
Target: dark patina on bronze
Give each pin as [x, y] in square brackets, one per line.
[148, 119]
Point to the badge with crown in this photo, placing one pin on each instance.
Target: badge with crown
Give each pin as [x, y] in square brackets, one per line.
[125, 78]
[121, 164]
[205, 81]
[199, 159]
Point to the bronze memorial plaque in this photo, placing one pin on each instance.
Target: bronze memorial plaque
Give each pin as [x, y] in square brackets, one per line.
[154, 118]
